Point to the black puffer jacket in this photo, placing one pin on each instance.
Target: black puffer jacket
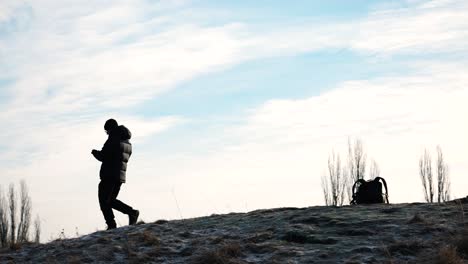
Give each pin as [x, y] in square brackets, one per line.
[115, 154]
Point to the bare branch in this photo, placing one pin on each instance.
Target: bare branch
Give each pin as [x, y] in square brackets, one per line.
[425, 173]
[443, 181]
[356, 165]
[37, 229]
[356, 160]
[334, 183]
[25, 213]
[12, 204]
[374, 170]
[326, 190]
[4, 225]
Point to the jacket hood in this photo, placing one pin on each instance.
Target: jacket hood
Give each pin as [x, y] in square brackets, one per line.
[125, 133]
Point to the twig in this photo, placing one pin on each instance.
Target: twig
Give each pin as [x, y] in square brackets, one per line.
[178, 208]
[462, 213]
[387, 253]
[177, 204]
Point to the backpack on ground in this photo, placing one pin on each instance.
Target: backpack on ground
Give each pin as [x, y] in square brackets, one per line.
[370, 192]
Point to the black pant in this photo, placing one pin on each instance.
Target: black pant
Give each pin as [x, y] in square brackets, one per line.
[107, 194]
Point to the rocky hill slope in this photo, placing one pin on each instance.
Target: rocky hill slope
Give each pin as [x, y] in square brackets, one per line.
[398, 233]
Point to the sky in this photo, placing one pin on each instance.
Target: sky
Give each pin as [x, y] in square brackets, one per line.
[233, 105]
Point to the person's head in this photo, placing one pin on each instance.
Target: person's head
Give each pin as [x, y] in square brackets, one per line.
[110, 125]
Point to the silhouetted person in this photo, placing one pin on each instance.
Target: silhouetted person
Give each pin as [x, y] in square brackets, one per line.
[114, 157]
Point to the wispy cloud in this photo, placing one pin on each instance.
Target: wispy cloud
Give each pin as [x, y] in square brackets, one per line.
[284, 143]
[428, 26]
[72, 65]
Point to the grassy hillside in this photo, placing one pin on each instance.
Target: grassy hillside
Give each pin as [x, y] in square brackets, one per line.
[400, 233]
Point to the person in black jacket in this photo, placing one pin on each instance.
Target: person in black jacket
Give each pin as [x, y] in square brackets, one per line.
[114, 157]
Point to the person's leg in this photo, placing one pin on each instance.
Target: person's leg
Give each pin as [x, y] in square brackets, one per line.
[122, 207]
[105, 192]
[117, 204]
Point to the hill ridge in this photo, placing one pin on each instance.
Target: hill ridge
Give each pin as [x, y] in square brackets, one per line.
[397, 233]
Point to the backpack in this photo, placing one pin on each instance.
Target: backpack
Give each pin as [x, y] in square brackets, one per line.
[370, 192]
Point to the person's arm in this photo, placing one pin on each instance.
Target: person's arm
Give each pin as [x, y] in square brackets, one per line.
[97, 154]
[106, 152]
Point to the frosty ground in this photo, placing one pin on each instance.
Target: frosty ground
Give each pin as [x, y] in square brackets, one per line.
[395, 233]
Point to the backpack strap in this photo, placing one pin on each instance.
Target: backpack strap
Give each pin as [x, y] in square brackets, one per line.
[385, 185]
[354, 201]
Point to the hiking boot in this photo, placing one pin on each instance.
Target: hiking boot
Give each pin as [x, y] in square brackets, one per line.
[111, 227]
[133, 217]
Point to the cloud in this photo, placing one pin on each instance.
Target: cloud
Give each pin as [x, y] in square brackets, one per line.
[8, 11]
[276, 158]
[128, 73]
[417, 28]
[91, 61]
[86, 61]
[434, 26]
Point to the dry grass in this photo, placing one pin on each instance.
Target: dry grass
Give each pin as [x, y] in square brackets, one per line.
[260, 237]
[295, 237]
[461, 244]
[161, 221]
[211, 257]
[149, 238]
[417, 219]
[228, 253]
[262, 248]
[50, 260]
[408, 248]
[141, 258]
[15, 246]
[103, 240]
[458, 251]
[448, 255]
[106, 254]
[232, 250]
[74, 260]
[455, 252]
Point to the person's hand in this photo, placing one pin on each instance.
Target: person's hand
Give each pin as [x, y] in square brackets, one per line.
[94, 152]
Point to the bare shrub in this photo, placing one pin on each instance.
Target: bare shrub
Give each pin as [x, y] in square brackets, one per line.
[15, 221]
[37, 229]
[334, 183]
[4, 226]
[25, 214]
[443, 181]
[356, 169]
[15, 246]
[12, 207]
[356, 160]
[338, 183]
[427, 177]
[425, 173]
[374, 170]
